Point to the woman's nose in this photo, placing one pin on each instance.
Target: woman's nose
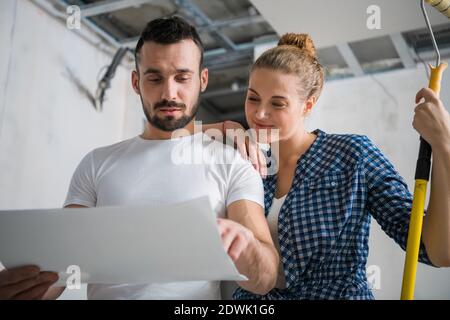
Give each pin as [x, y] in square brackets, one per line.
[261, 113]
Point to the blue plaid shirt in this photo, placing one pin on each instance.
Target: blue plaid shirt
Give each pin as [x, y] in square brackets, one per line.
[323, 226]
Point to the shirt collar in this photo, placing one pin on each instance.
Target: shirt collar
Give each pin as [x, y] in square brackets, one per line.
[303, 161]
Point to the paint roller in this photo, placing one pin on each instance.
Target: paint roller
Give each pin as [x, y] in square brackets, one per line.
[422, 167]
[443, 6]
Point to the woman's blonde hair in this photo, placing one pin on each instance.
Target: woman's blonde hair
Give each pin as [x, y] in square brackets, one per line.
[295, 54]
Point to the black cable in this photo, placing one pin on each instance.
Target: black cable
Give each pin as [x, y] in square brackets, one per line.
[386, 91]
[105, 82]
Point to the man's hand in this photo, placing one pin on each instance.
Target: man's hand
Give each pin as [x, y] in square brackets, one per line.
[27, 283]
[246, 238]
[235, 237]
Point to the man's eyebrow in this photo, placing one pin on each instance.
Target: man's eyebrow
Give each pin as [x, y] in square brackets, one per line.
[153, 70]
[184, 70]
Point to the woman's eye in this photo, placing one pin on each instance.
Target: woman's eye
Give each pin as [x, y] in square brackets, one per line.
[278, 105]
[252, 99]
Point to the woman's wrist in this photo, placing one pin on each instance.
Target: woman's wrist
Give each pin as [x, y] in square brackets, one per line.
[441, 148]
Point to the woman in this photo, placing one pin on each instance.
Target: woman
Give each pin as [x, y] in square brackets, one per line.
[320, 202]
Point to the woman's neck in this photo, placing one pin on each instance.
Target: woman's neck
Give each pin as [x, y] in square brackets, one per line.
[292, 148]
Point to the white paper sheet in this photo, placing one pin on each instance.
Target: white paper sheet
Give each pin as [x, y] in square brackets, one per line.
[119, 245]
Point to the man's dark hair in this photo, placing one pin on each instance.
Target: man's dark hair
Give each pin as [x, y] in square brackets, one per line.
[168, 31]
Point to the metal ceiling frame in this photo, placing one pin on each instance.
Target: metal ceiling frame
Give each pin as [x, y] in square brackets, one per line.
[201, 20]
[237, 22]
[350, 59]
[106, 6]
[403, 50]
[230, 53]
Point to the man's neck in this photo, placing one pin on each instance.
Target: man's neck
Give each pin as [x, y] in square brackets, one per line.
[153, 133]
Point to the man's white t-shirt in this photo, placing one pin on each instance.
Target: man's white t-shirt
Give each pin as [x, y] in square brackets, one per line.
[138, 172]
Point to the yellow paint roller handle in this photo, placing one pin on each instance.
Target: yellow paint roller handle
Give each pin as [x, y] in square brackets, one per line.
[413, 243]
[436, 77]
[420, 192]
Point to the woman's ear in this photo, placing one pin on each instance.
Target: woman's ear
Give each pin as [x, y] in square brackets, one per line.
[135, 82]
[309, 104]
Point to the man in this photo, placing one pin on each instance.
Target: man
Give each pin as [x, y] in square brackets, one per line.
[169, 77]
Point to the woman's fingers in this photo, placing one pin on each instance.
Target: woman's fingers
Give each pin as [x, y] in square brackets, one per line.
[431, 119]
[242, 147]
[427, 94]
[253, 154]
[262, 164]
[247, 146]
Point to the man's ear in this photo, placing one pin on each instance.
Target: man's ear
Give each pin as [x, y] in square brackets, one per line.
[203, 79]
[135, 82]
[309, 104]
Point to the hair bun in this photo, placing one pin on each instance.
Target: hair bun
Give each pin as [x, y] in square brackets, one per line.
[302, 41]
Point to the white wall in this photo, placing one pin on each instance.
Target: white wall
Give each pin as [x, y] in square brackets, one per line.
[46, 124]
[362, 106]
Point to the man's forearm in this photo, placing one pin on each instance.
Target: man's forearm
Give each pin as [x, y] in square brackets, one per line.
[259, 263]
[436, 228]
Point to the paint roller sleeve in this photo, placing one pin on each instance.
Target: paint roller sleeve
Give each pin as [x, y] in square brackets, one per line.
[443, 6]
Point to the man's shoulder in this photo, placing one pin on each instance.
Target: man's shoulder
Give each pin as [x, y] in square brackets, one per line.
[222, 153]
[117, 148]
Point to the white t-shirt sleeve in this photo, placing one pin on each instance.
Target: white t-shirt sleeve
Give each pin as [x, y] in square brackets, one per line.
[244, 183]
[82, 189]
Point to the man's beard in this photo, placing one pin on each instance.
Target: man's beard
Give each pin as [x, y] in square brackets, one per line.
[169, 123]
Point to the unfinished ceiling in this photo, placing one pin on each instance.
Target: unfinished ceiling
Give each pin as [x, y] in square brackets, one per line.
[232, 31]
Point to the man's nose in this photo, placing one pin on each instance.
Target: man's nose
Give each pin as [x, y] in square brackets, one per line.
[169, 91]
